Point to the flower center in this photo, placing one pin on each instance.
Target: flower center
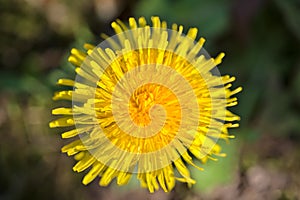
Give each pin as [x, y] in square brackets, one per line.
[140, 104]
[150, 102]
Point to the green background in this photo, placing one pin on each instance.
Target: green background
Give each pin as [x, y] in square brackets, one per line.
[261, 39]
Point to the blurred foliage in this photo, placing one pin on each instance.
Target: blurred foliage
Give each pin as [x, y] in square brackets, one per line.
[212, 17]
[261, 39]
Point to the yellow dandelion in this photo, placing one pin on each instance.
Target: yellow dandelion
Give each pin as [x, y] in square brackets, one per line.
[146, 102]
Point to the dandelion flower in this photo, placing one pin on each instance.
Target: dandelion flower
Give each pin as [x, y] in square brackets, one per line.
[146, 102]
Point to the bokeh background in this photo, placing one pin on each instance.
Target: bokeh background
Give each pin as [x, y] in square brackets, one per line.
[261, 39]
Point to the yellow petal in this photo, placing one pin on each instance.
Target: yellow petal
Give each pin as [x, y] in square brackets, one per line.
[107, 176]
[123, 178]
[62, 122]
[62, 111]
[65, 82]
[93, 173]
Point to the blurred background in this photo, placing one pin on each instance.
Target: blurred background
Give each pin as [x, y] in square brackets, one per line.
[261, 39]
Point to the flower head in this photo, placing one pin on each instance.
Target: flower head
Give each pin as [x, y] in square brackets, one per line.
[146, 102]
